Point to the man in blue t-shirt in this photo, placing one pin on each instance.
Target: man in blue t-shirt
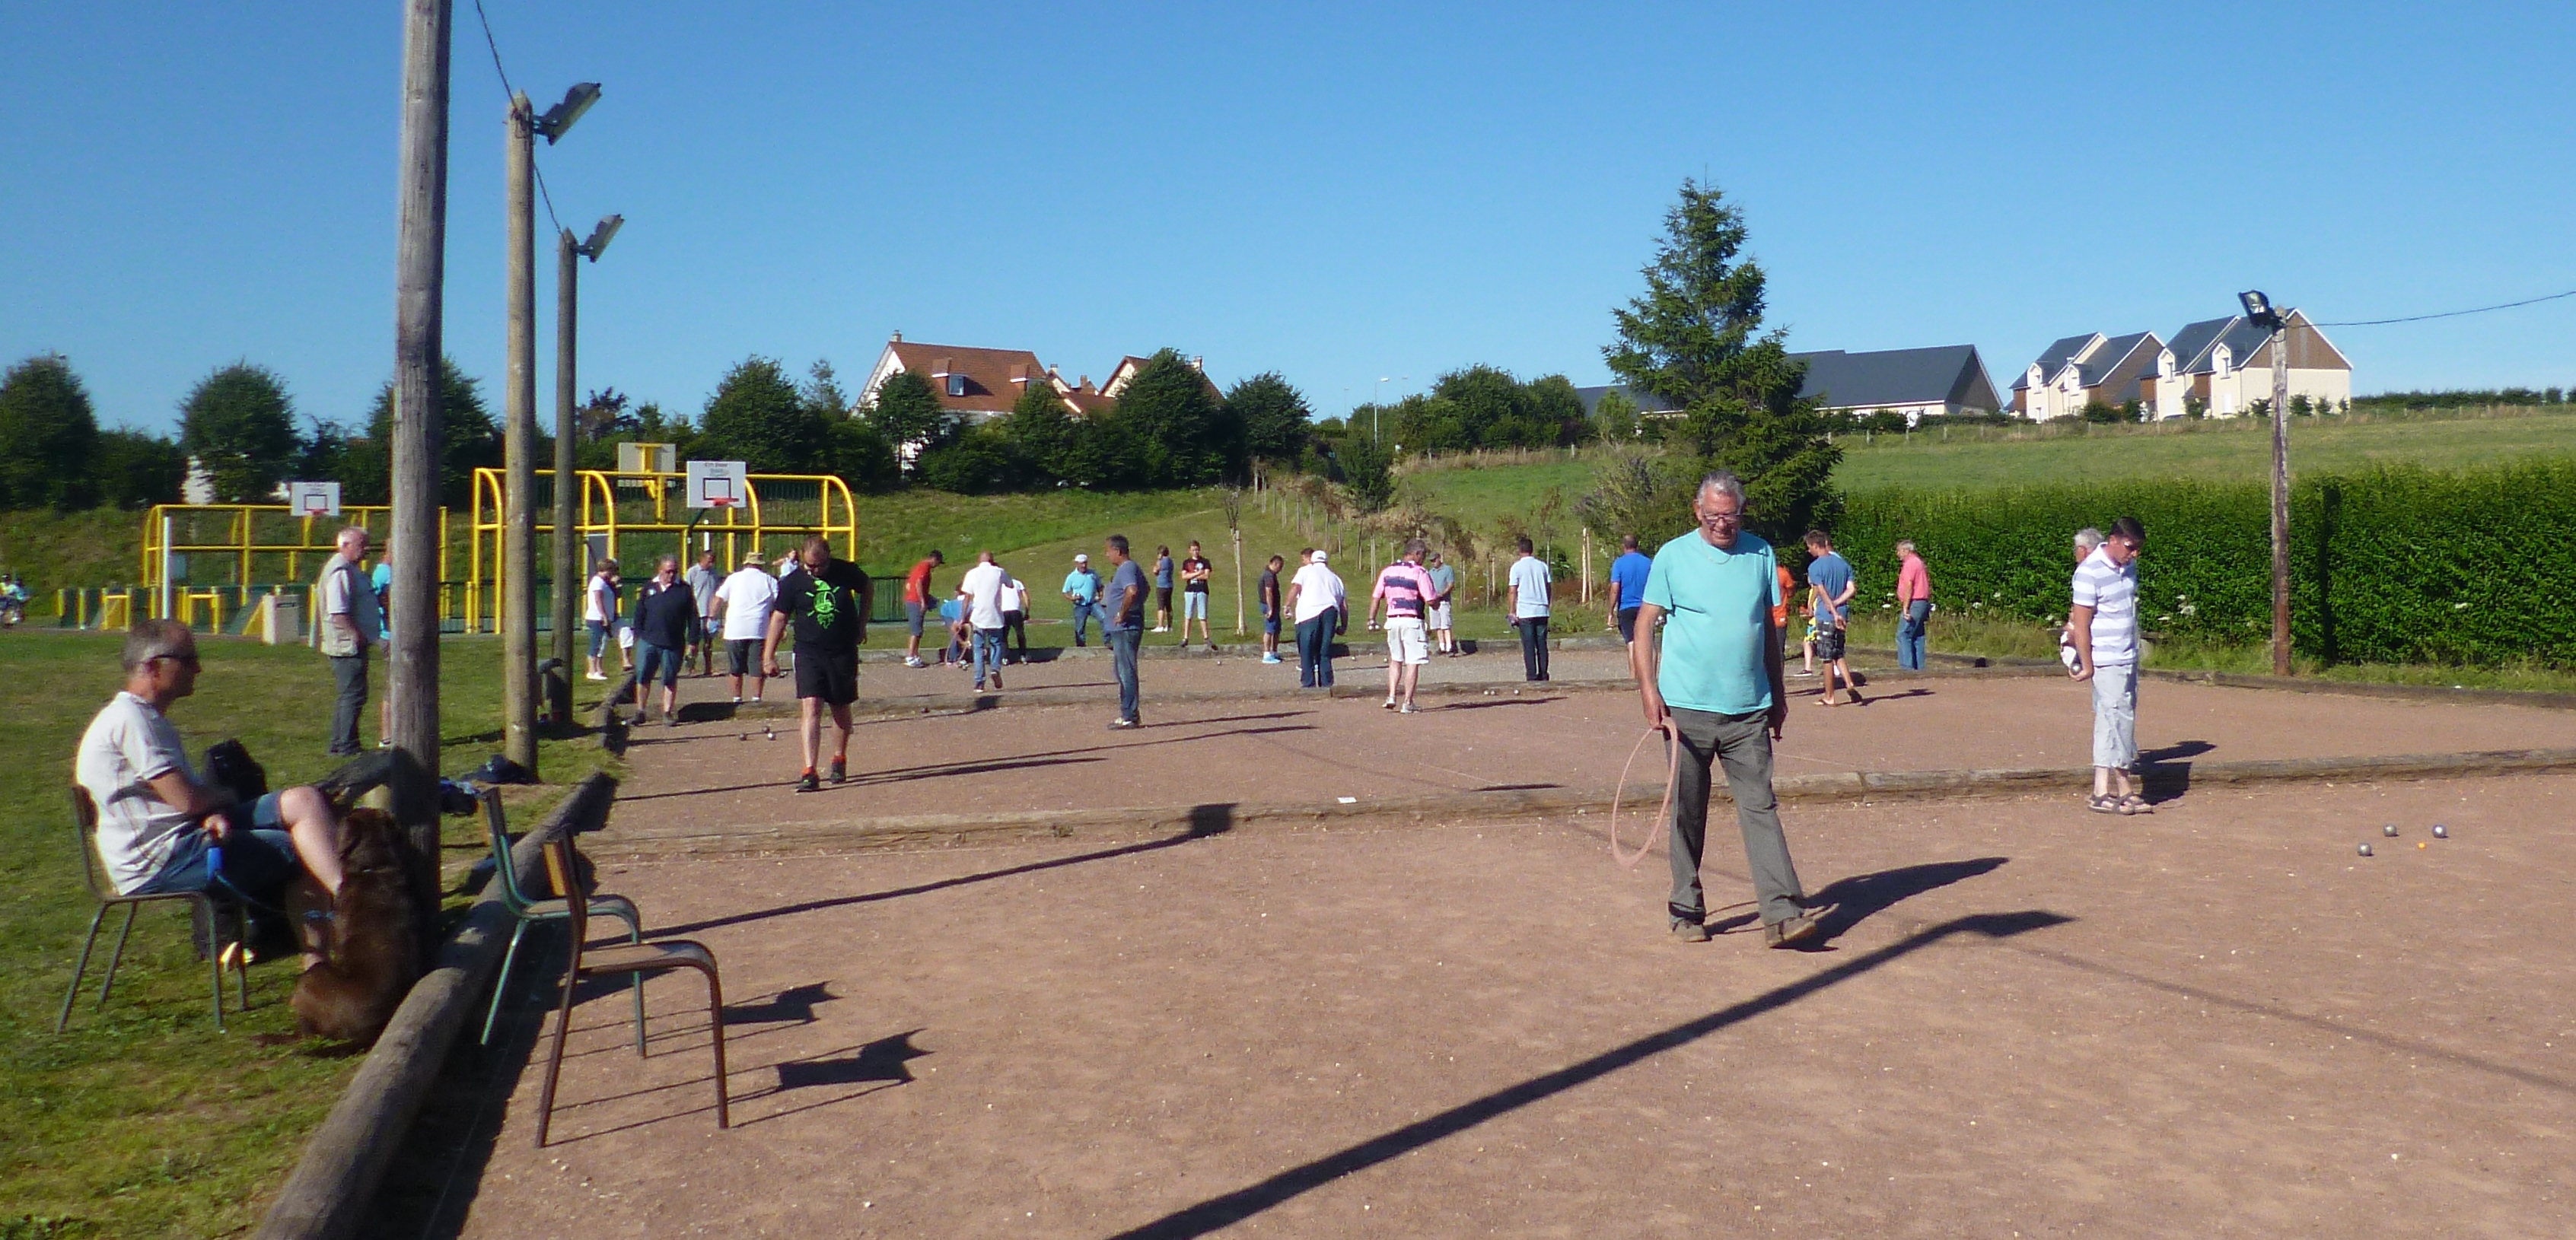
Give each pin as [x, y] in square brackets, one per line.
[1714, 682]
[1628, 586]
[1830, 580]
[1122, 625]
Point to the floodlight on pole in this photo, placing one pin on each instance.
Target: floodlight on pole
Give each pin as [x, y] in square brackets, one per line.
[558, 119]
[601, 236]
[2260, 312]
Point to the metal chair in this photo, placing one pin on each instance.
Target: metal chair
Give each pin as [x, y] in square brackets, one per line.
[528, 912]
[85, 826]
[636, 960]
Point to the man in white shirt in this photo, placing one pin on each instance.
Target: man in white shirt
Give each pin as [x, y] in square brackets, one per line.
[161, 829]
[351, 624]
[742, 606]
[2103, 622]
[1528, 609]
[982, 591]
[1321, 608]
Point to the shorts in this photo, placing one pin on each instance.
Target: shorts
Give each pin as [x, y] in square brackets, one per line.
[1405, 642]
[1163, 597]
[1439, 618]
[1194, 604]
[1628, 623]
[912, 619]
[1829, 643]
[1270, 626]
[832, 675]
[258, 861]
[744, 655]
[1809, 637]
[656, 663]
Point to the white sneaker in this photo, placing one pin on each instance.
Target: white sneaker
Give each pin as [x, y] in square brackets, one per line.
[914, 661]
[596, 676]
[737, 699]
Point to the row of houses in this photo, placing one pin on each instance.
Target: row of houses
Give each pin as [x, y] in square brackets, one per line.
[979, 385]
[2224, 365]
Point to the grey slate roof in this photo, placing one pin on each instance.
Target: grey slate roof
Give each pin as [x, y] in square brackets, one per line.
[2241, 338]
[1646, 402]
[1929, 376]
[2102, 361]
[2054, 358]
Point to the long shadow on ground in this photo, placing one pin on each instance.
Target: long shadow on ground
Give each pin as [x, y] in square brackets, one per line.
[1243, 1203]
[1205, 821]
[1856, 899]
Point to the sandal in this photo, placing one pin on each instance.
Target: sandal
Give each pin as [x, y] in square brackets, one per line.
[2135, 804]
[2104, 804]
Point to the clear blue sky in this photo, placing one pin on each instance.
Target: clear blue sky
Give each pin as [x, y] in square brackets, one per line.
[1335, 192]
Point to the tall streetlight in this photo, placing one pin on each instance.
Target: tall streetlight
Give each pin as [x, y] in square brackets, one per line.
[519, 466]
[2259, 312]
[568, 542]
[1377, 407]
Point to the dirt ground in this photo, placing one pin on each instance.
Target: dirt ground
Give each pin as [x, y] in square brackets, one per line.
[1276, 750]
[2215, 1021]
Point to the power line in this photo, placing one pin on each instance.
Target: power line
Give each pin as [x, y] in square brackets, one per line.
[512, 94]
[2450, 314]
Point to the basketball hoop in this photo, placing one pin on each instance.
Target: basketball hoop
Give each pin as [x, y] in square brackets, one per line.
[720, 501]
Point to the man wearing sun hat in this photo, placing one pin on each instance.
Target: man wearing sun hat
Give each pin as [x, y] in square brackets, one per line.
[1082, 589]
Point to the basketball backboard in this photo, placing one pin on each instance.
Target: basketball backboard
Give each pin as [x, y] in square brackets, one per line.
[717, 484]
[313, 499]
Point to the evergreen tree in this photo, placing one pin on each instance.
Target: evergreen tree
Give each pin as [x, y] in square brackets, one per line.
[1694, 339]
[1273, 415]
[240, 426]
[1172, 414]
[48, 436]
[1046, 439]
[823, 395]
[469, 439]
[758, 417]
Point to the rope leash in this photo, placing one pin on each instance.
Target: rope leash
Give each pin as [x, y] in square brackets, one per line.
[1672, 776]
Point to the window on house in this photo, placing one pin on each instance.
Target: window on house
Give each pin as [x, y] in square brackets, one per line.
[956, 385]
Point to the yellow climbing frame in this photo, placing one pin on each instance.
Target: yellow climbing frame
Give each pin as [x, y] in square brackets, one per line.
[625, 515]
[193, 553]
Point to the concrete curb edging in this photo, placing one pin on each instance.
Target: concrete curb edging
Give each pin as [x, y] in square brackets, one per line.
[949, 830]
[333, 1185]
[2370, 689]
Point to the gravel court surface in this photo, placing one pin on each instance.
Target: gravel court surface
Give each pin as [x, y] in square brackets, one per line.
[1272, 750]
[2217, 1020]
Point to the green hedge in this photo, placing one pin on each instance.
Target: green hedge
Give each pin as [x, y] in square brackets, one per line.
[2395, 566]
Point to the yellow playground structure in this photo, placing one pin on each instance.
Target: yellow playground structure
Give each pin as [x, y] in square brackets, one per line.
[629, 516]
[209, 564]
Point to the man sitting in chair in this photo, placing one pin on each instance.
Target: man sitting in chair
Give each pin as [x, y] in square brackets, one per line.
[158, 824]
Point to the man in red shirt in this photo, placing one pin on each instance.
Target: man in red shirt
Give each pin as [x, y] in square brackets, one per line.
[916, 601]
[1913, 603]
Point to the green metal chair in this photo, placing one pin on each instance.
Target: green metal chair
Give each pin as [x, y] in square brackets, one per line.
[528, 912]
[85, 825]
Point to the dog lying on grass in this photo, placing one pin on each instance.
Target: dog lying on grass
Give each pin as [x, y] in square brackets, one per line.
[371, 945]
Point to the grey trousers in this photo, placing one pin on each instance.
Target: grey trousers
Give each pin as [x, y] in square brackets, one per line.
[350, 674]
[1742, 744]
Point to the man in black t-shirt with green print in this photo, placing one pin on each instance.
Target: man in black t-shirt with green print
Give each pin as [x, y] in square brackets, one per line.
[828, 603]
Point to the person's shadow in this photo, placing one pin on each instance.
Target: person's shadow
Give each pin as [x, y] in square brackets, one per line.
[1850, 901]
[2164, 774]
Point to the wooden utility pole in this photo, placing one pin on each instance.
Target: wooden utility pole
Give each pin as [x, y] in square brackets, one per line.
[2281, 500]
[568, 540]
[519, 449]
[420, 273]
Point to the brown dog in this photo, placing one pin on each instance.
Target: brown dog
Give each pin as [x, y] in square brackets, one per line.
[371, 946]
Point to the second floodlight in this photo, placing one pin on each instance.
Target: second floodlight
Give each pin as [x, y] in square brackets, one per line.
[558, 119]
[2258, 310]
[601, 236]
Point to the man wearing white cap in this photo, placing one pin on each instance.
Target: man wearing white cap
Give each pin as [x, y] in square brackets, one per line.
[1317, 600]
[1082, 589]
[742, 607]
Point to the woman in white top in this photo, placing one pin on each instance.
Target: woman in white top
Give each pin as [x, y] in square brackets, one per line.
[599, 615]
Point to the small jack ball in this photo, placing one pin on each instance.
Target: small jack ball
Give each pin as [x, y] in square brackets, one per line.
[2365, 850]
[2390, 830]
[2441, 832]
[2422, 844]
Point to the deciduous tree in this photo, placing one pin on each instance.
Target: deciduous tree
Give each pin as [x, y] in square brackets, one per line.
[757, 416]
[48, 435]
[240, 425]
[1274, 417]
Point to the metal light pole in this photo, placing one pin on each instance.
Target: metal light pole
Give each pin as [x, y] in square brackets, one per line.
[2259, 311]
[1377, 407]
[568, 541]
[519, 427]
[420, 275]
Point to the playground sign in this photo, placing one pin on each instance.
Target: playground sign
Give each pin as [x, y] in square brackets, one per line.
[718, 484]
[313, 499]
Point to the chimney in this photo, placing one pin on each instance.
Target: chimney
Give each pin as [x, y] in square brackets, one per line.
[1198, 364]
[1086, 383]
[898, 335]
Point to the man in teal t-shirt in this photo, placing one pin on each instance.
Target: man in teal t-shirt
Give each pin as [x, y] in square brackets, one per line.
[1715, 681]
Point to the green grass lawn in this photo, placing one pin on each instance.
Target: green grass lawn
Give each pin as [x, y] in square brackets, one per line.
[2238, 449]
[142, 1120]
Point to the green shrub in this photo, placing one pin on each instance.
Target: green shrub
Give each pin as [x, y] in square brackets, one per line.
[2395, 566]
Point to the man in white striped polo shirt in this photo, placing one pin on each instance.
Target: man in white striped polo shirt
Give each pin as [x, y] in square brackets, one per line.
[2104, 624]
